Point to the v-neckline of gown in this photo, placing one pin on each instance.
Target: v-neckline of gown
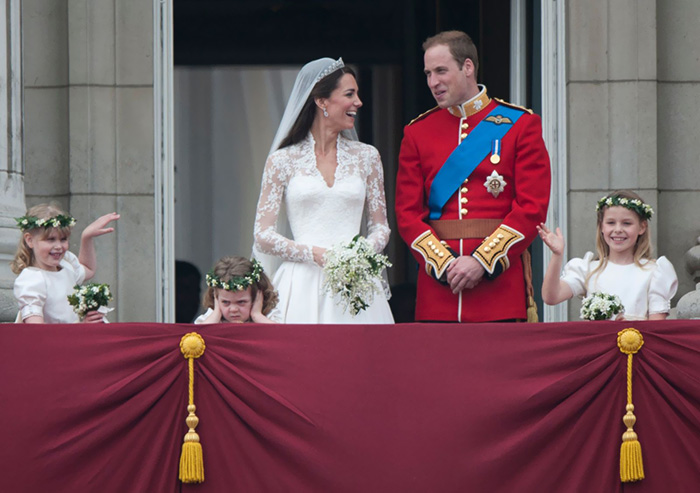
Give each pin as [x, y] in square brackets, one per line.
[312, 143]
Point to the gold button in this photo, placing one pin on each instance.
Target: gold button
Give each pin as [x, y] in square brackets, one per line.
[492, 244]
[433, 247]
[443, 242]
[465, 126]
[464, 135]
[430, 242]
[441, 254]
[466, 180]
[464, 200]
[464, 190]
[496, 241]
[487, 249]
[500, 235]
[463, 211]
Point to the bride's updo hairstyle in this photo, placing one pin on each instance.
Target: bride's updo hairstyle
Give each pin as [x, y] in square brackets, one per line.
[322, 89]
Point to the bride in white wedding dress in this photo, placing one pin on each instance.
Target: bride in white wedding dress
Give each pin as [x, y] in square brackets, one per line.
[327, 179]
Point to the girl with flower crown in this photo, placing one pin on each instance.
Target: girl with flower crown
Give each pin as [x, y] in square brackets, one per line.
[47, 271]
[238, 291]
[623, 264]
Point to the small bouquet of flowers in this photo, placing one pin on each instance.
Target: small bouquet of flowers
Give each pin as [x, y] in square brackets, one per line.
[353, 271]
[90, 297]
[601, 306]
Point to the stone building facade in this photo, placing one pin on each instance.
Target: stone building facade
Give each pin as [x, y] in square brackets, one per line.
[84, 121]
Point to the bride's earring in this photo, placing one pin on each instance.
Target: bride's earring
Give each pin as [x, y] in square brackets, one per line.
[325, 113]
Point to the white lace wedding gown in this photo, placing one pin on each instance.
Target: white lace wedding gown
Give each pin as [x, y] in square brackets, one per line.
[320, 215]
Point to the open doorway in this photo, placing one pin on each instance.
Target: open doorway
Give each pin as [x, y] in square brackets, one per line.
[235, 64]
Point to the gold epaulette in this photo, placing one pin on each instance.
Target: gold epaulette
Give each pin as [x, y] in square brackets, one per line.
[423, 115]
[495, 248]
[512, 105]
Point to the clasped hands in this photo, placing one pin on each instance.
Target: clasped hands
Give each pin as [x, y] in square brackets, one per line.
[464, 272]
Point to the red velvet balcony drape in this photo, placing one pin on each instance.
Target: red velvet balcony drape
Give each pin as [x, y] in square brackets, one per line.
[405, 408]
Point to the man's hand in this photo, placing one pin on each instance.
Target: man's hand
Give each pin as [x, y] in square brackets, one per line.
[464, 273]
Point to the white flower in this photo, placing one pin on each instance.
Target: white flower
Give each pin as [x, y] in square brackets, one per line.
[352, 272]
[601, 306]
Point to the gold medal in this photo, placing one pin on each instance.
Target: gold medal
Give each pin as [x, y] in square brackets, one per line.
[495, 158]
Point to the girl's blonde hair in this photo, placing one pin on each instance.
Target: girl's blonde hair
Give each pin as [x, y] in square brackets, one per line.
[24, 257]
[642, 248]
[228, 268]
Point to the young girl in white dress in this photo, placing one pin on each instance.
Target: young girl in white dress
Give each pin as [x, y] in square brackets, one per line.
[47, 271]
[327, 179]
[623, 265]
[238, 291]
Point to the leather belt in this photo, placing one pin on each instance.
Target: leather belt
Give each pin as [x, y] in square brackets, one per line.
[457, 229]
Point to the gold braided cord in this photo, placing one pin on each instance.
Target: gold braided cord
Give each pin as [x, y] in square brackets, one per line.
[629, 379]
[190, 363]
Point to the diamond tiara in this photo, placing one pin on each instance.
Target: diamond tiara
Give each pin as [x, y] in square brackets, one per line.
[331, 68]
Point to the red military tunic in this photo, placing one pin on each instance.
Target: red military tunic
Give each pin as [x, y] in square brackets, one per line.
[518, 208]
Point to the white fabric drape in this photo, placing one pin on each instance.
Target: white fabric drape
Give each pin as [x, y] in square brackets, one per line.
[225, 119]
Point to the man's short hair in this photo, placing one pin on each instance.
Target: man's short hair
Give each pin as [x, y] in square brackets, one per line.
[460, 45]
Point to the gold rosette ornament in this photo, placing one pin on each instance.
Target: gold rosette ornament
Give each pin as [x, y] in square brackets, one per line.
[191, 460]
[630, 341]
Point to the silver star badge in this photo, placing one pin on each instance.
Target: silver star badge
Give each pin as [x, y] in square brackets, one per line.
[495, 184]
[478, 104]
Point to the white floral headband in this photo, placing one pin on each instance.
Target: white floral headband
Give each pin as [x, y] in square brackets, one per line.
[636, 205]
[236, 283]
[25, 223]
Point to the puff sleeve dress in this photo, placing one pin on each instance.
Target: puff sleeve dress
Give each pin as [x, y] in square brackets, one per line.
[643, 290]
[45, 293]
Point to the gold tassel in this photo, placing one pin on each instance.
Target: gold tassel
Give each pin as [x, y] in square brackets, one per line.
[192, 459]
[532, 310]
[529, 290]
[630, 341]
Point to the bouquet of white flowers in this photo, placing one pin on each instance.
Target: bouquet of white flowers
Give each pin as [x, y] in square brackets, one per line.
[601, 306]
[353, 271]
[89, 297]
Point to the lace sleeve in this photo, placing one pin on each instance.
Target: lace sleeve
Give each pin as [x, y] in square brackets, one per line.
[377, 226]
[267, 239]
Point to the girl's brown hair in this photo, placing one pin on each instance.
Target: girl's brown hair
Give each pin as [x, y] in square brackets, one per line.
[228, 268]
[642, 249]
[24, 257]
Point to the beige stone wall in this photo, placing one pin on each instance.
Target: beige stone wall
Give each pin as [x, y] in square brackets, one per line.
[678, 145]
[633, 113]
[89, 136]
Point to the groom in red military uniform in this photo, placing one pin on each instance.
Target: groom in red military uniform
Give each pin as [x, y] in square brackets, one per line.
[473, 182]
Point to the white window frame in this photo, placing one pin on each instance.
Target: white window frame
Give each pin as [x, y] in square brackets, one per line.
[164, 166]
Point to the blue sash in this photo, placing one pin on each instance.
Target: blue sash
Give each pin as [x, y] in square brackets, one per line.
[467, 156]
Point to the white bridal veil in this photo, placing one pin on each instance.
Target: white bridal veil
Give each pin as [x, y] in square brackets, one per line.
[309, 75]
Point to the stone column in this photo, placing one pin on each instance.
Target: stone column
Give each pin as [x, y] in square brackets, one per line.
[111, 136]
[612, 110]
[11, 177]
[678, 143]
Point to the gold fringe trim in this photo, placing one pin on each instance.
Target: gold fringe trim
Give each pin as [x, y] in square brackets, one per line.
[191, 459]
[630, 341]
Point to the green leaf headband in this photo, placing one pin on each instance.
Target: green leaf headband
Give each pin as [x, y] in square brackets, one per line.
[636, 205]
[236, 283]
[26, 223]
